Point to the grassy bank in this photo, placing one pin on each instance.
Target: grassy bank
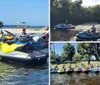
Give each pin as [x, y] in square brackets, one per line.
[78, 63]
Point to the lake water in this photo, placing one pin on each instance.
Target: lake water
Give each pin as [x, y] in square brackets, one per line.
[19, 75]
[14, 75]
[75, 79]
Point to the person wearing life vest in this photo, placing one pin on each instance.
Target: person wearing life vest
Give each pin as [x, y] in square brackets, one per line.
[23, 33]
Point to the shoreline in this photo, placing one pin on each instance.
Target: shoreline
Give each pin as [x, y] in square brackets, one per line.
[27, 30]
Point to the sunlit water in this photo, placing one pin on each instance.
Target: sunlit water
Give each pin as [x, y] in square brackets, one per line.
[75, 79]
[20, 75]
[14, 75]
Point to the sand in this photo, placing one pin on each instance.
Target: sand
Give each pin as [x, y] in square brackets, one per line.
[70, 35]
[28, 30]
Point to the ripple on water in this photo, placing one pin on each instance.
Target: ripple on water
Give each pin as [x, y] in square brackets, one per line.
[75, 79]
[10, 75]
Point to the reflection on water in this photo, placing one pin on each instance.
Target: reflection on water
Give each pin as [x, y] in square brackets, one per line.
[14, 75]
[75, 79]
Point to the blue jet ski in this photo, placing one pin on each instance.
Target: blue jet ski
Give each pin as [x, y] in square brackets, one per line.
[64, 26]
[86, 36]
[53, 70]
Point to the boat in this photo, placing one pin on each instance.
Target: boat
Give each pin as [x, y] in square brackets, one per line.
[8, 38]
[53, 70]
[68, 71]
[94, 70]
[77, 70]
[9, 53]
[61, 71]
[35, 41]
[64, 26]
[85, 70]
[85, 36]
[30, 58]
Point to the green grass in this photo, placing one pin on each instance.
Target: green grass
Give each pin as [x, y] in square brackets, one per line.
[78, 64]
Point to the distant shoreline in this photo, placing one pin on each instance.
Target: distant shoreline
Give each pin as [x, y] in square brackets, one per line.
[28, 30]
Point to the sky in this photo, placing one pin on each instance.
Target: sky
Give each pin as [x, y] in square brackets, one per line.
[33, 12]
[90, 2]
[59, 47]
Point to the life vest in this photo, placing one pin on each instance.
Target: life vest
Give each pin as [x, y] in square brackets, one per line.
[23, 34]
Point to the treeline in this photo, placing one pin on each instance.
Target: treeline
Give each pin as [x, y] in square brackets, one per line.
[85, 51]
[66, 11]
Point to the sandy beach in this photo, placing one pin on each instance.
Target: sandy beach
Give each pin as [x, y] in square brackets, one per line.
[27, 30]
[70, 35]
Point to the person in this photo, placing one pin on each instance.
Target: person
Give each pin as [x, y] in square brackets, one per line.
[1, 32]
[23, 33]
[63, 67]
[46, 34]
[93, 29]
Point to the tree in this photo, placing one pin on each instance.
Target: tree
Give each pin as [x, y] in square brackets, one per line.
[77, 57]
[88, 49]
[68, 51]
[62, 10]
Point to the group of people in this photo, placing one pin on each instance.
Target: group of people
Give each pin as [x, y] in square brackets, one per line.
[44, 36]
[77, 68]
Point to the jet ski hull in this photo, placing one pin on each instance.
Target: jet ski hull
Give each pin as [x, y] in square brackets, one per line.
[82, 36]
[28, 59]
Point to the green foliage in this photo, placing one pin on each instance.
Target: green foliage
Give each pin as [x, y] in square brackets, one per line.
[88, 49]
[68, 51]
[73, 12]
[77, 57]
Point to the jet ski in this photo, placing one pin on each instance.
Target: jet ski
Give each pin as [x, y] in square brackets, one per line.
[61, 71]
[30, 58]
[86, 36]
[64, 26]
[36, 41]
[33, 42]
[53, 70]
[8, 38]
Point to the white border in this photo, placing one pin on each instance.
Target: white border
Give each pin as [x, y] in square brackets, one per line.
[49, 41]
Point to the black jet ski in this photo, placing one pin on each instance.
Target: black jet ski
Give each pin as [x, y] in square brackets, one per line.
[34, 41]
[86, 36]
[26, 38]
[30, 58]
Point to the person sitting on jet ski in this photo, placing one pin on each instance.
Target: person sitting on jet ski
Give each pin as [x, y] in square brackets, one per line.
[45, 35]
[23, 33]
[93, 29]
